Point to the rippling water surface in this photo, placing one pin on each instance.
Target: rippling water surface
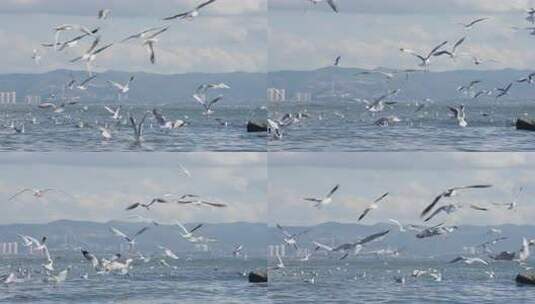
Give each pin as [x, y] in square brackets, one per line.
[195, 281]
[48, 131]
[350, 127]
[372, 281]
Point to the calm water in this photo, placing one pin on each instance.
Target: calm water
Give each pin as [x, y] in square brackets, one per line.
[350, 127]
[371, 281]
[59, 132]
[196, 281]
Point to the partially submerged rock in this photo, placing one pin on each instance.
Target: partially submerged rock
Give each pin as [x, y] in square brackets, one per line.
[526, 278]
[253, 126]
[525, 124]
[258, 277]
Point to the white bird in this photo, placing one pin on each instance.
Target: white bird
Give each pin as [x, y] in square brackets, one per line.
[524, 253]
[468, 260]
[114, 112]
[237, 250]
[372, 206]
[163, 123]
[379, 103]
[425, 60]
[472, 23]
[138, 127]
[203, 88]
[331, 3]
[207, 104]
[143, 34]
[290, 239]
[168, 253]
[280, 264]
[104, 14]
[459, 115]
[130, 240]
[184, 170]
[503, 91]
[37, 193]
[400, 226]
[105, 132]
[91, 54]
[189, 15]
[123, 88]
[530, 79]
[200, 203]
[149, 43]
[187, 234]
[68, 27]
[453, 52]
[450, 193]
[36, 57]
[319, 202]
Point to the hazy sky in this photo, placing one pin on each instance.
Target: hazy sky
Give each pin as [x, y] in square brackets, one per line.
[227, 36]
[369, 33]
[105, 183]
[413, 180]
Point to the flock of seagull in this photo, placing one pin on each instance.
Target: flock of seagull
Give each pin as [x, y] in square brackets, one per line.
[280, 121]
[120, 263]
[442, 206]
[59, 101]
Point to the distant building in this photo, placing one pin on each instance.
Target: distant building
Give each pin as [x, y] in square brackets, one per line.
[277, 249]
[276, 95]
[8, 97]
[9, 248]
[33, 99]
[303, 97]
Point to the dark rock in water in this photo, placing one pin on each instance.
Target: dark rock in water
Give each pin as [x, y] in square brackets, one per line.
[525, 124]
[526, 278]
[256, 127]
[504, 256]
[258, 277]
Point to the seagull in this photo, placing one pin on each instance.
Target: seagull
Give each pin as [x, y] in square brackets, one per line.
[289, 238]
[378, 104]
[530, 79]
[449, 193]
[448, 209]
[138, 127]
[164, 124]
[36, 57]
[123, 89]
[105, 132]
[188, 234]
[337, 61]
[274, 129]
[425, 60]
[104, 14]
[189, 15]
[114, 112]
[143, 34]
[469, 261]
[130, 240]
[91, 54]
[453, 53]
[201, 203]
[401, 227]
[331, 3]
[68, 27]
[435, 230]
[503, 91]
[356, 246]
[280, 264]
[524, 253]
[373, 206]
[71, 43]
[319, 202]
[207, 105]
[459, 115]
[184, 170]
[84, 85]
[468, 87]
[511, 205]
[150, 41]
[203, 88]
[471, 24]
[168, 253]
[92, 259]
[147, 206]
[37, 193]
[388, 76]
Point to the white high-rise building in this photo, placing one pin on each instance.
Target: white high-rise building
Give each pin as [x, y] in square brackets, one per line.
[276, 95]
[303, 97]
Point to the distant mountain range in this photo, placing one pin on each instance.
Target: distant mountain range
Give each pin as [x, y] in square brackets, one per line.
[256, 237]
[439, 86]
[246, 88]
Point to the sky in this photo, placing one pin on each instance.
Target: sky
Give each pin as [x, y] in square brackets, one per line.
[412, 179]
[369, 33]
[103, 184]
[227, 36]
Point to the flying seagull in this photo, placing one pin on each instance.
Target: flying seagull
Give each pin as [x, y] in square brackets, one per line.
[331, 3]
[472, 23]
[319, 202]
[449, 193]
[373, 206]
[123, 88]
[459, 115]
[290, 239]
[130, 240]
[37, 193]
[207, 104]
[453, 52]
[189, 15]
[425, 60]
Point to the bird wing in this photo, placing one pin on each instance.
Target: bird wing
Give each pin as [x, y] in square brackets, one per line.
[475, 207]
[19, 193]
[88, 80]
[181, 15]
[332, 4]
[117, 232]
[320, 245]
[366, 211]
[333, 190]
[455, 111]
[284, 232]
[372, 237]
[380, 198]
[103, 48]
[458, 43]
[181, 226]
[196, 228]
[140, 232]
[219, 205]
[430, 206]
[472, 187]
[436, 48]
[442, 208]
[411, 52]
[205, 4]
